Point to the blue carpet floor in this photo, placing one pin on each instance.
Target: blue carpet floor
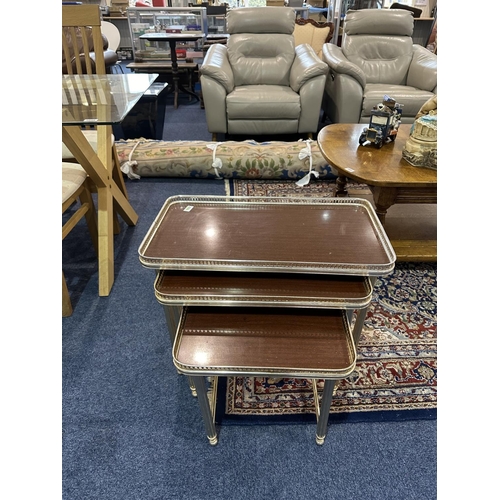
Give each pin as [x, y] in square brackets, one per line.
[131, 429]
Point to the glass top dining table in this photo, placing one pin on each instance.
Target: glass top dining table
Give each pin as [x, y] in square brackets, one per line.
[101, 99]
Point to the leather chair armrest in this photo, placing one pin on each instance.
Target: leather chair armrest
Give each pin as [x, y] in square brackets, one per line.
[216, 66]
[338, 63]
[306, 66]
[422, 73]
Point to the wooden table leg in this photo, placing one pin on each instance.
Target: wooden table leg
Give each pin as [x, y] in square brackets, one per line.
[178, 86]
[341, 184]
[383, 198]
[175, 71]
[105, 154]
[106, 215]
[109, 195]
[106, 240]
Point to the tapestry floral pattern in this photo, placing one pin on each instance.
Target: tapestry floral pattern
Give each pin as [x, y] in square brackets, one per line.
[238, 159]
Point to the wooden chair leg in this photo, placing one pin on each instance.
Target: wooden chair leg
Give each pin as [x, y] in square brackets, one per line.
[67, 308]
[90, 216]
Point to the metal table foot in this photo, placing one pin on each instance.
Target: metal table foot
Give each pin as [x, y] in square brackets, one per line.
[323, 412]
[320, 440]
[192, 387]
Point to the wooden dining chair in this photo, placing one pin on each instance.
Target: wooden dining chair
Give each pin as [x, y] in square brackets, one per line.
[75, 189]
[315, 33]
[82, 50]
[82, 44]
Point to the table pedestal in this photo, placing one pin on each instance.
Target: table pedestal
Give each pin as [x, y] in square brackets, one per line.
[172, 39]
[177, 84]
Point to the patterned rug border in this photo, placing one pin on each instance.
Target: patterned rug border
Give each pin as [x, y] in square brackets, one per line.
[316, 187]
[243, 419]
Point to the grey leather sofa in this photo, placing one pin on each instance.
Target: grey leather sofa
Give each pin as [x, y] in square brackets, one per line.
[377, 57]
[260, 83]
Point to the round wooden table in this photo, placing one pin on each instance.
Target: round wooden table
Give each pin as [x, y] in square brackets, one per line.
[390, 178]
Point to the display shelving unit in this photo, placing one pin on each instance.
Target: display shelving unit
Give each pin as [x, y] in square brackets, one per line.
[157, 19]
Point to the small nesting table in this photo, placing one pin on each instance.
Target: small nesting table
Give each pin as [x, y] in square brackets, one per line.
[265, 287]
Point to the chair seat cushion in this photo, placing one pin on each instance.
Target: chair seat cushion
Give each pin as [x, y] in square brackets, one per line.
[411, 98]
[73, 176]
[91, 136]
[263, 102]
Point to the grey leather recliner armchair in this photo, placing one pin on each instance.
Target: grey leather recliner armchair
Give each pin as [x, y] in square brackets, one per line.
[260, 83]
[377, 57]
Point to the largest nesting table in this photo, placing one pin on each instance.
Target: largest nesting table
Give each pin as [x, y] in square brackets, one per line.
[265, 287]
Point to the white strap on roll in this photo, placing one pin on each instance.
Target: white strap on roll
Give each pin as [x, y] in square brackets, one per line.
[126, 168]
[307, 153]
[216, 162]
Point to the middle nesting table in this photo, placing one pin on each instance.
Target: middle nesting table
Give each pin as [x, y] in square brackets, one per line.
[290, 271]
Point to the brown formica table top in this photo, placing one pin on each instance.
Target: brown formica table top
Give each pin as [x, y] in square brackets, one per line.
[334, 236]
[273, 289]
[385, 167]
[307, 342]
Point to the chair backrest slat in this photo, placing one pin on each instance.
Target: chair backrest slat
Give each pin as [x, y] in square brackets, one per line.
[81, 29]
[67, 53]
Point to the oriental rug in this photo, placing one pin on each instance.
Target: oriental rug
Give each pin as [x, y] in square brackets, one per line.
[396, 374]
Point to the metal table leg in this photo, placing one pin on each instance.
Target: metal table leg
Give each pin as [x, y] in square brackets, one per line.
[172, 315]
[324, 411]
[358, 325]
[207, 410]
